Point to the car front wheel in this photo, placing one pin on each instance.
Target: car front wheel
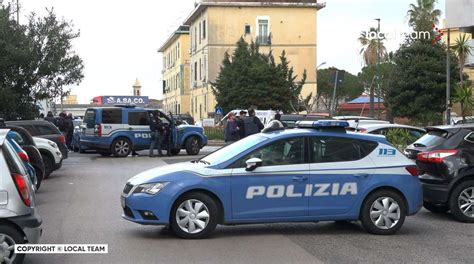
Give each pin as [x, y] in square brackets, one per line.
[9, 237]
[192, 146]
[194, 215]
[461, 202]
[383, 212]
[121, 147]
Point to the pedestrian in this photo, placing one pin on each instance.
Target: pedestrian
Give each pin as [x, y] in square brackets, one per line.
[157, 129]
[49, 117]
[240, 123]
[62, 124]
[41, 116]
[231, 132]
[252, 124]
[69, 130]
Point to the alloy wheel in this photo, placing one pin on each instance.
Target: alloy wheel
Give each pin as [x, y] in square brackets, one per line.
[192, 216]
[122, 147]
[7, 245]
[385, 213]
[466, 202]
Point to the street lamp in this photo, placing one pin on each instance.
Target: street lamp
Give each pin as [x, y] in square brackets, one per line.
[378, 68]
[324, 63]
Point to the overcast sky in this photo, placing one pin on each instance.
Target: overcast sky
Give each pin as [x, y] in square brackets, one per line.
[119, 39]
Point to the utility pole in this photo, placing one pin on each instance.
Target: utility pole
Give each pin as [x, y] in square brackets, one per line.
[333, 102]
[448, 81]
[378, 68]
[18, 12]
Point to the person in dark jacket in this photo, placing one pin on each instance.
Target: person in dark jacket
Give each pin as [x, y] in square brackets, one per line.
[69, 130]
[157, 130]
[240, 123]
[231, 132]
[252, 124]
[49, 117]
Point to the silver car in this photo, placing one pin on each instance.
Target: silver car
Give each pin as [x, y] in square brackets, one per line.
[19, 221]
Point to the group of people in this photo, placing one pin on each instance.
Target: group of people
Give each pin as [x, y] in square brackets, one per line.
[159, 132]
[65, 124]
[241, 126]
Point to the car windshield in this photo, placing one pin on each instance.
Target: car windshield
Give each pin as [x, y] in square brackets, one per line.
[433, 138]
[232, 150]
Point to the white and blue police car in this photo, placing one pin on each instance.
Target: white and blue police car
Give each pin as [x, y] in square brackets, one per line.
[317, 172]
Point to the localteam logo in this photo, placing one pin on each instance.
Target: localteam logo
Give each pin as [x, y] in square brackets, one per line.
[320, 189]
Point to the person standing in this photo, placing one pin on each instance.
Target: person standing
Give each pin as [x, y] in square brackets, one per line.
[49, 117]
[231, 132]
[252, 124]
[240, 123]
[69, 130]
[156, 128]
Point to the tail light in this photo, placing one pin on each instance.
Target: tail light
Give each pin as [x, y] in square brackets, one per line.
[436, 156]
[98, 130]
[23, 156]
[62, 139]
[22, 187]
[413, 170]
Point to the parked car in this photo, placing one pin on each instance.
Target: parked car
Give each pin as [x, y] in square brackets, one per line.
[319, 172]
[76, 137]
[184, 119]
[25, 140]
[356, 121]
[44, 129]
[52, 156]
[119, 130]
[289, 120]
[384, 128]
[20, 223]
[445, 158]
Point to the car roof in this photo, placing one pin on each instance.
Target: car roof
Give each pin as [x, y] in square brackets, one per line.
[372, 126]
[32, 122]
[3, 135]
[315, 132]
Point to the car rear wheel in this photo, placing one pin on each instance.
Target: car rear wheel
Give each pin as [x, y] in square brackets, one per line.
[194, 215]
[39, 177]
[48, 165]
[9, 237]
[461, 202]
[192, 146]
[121, 147]
[436, 208]
[383, 212]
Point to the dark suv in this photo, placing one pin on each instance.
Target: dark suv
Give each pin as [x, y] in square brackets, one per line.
[445, 158]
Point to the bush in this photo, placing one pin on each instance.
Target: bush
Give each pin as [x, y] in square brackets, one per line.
[399, 137]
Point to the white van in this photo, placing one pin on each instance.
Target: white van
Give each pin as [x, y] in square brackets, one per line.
[264, 115]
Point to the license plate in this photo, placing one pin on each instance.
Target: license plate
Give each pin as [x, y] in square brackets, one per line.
[122, 201]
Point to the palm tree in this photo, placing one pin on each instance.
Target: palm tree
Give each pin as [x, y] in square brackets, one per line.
[423, 15]
[369, 48]
[463, 95]
[462, 50]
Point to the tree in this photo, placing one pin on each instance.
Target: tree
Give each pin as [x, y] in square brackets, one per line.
[418, 83]
[370, 47]
[463, 96]
[462, 49]
[250, 78]
[423, 15]
[350, 88]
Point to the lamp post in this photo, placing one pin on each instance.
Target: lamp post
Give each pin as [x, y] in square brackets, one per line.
[378, 68]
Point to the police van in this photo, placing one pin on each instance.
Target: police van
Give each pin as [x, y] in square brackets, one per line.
[317, 172]
[120, 129]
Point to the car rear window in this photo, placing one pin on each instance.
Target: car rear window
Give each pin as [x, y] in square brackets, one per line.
[112, 116]
[47, 130]
[432, 138]
[15, 165]
[89, 118]
[336, 149]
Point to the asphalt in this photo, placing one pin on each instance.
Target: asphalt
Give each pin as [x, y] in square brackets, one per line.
[80, 204]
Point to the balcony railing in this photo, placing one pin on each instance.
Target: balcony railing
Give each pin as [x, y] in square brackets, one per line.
[264, 40]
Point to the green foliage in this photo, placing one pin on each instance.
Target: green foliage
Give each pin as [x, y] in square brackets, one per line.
[370, 48]
[418, 84]
[250, 78]
[351, 87]
[399, 137]
[368, 76]
[463, 96]
[36, 62]
[462, 49]
[423, 15]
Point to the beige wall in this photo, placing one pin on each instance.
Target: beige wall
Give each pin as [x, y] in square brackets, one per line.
[293, 29]
[176, 74]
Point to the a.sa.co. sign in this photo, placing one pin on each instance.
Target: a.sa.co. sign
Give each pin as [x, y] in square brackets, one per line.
[125, 100]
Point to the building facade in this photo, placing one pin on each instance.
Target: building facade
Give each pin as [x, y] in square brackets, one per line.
[175, 73]
[215, 26]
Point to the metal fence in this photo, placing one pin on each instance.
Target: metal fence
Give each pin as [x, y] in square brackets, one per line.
[214, 133]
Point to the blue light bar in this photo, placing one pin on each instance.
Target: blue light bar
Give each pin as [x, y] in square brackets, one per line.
[322, 124]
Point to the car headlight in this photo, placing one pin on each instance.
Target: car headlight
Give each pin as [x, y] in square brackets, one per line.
[52, 144]
[150, 188]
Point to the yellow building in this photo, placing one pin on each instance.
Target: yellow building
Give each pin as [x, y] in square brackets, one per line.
[176, 72]
[216, 25]
[70, 99]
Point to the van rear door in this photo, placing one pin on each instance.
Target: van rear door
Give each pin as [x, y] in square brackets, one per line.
[89, 122]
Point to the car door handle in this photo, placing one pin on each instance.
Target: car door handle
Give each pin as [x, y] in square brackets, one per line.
[300, 178]
[361, 175]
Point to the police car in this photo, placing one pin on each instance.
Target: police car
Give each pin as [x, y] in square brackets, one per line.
[318, 172]
[119, 130]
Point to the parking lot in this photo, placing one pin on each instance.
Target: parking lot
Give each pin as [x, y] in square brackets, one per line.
[80, 204]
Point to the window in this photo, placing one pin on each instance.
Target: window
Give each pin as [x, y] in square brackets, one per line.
[334, 149]
[247, 29]
[89, 118]
[195, 36]
[178, 50]
[263, 32]
[46, 130]
[138, 119]
[282, 152]
[200, 69]
[204, 29]
[205, 67]
[195, 70]
[200, 30]
[112, 116]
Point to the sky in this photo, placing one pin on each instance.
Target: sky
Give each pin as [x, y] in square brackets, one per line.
[119, 39]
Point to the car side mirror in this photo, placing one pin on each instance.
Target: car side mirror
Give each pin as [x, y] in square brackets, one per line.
[253, 163]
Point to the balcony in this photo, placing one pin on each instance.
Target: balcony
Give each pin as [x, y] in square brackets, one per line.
[264, 40]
